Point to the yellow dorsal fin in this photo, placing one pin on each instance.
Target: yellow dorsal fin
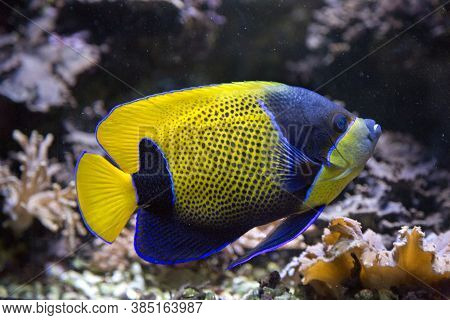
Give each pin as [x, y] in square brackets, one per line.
[156, 116]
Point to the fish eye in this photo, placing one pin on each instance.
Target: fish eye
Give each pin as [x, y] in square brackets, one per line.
[340, 123]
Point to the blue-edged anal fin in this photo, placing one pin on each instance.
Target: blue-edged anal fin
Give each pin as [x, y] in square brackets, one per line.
[153, 182]
[289, 229]
[164, 240]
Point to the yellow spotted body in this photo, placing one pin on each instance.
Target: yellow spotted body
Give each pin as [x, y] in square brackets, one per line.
[222, 147]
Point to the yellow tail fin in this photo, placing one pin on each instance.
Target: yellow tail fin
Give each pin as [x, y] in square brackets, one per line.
[106, 196]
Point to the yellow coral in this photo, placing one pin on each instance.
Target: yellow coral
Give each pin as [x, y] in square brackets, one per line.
[414, 259]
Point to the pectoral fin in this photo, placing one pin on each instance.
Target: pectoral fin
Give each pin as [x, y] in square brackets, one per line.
[289, 229]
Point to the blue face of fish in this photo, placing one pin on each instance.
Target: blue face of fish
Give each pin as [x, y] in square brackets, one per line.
[225, 159]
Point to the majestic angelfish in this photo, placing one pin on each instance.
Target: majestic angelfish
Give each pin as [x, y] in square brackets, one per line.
[202, 166]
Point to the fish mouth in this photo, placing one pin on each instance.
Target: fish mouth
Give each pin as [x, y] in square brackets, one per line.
[374, 130]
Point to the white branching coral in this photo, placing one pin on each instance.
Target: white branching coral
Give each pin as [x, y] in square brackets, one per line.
[346, 253]
[39, 69]
[34, 195]
[339, 25]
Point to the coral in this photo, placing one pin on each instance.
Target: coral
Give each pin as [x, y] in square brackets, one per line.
[200, 20]
[80, 140]
[117, 255]
[390, 162]
[205, 10]
[39, 69]
[339, 25]
[200, 10]
[34, 195]
[347, 255]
